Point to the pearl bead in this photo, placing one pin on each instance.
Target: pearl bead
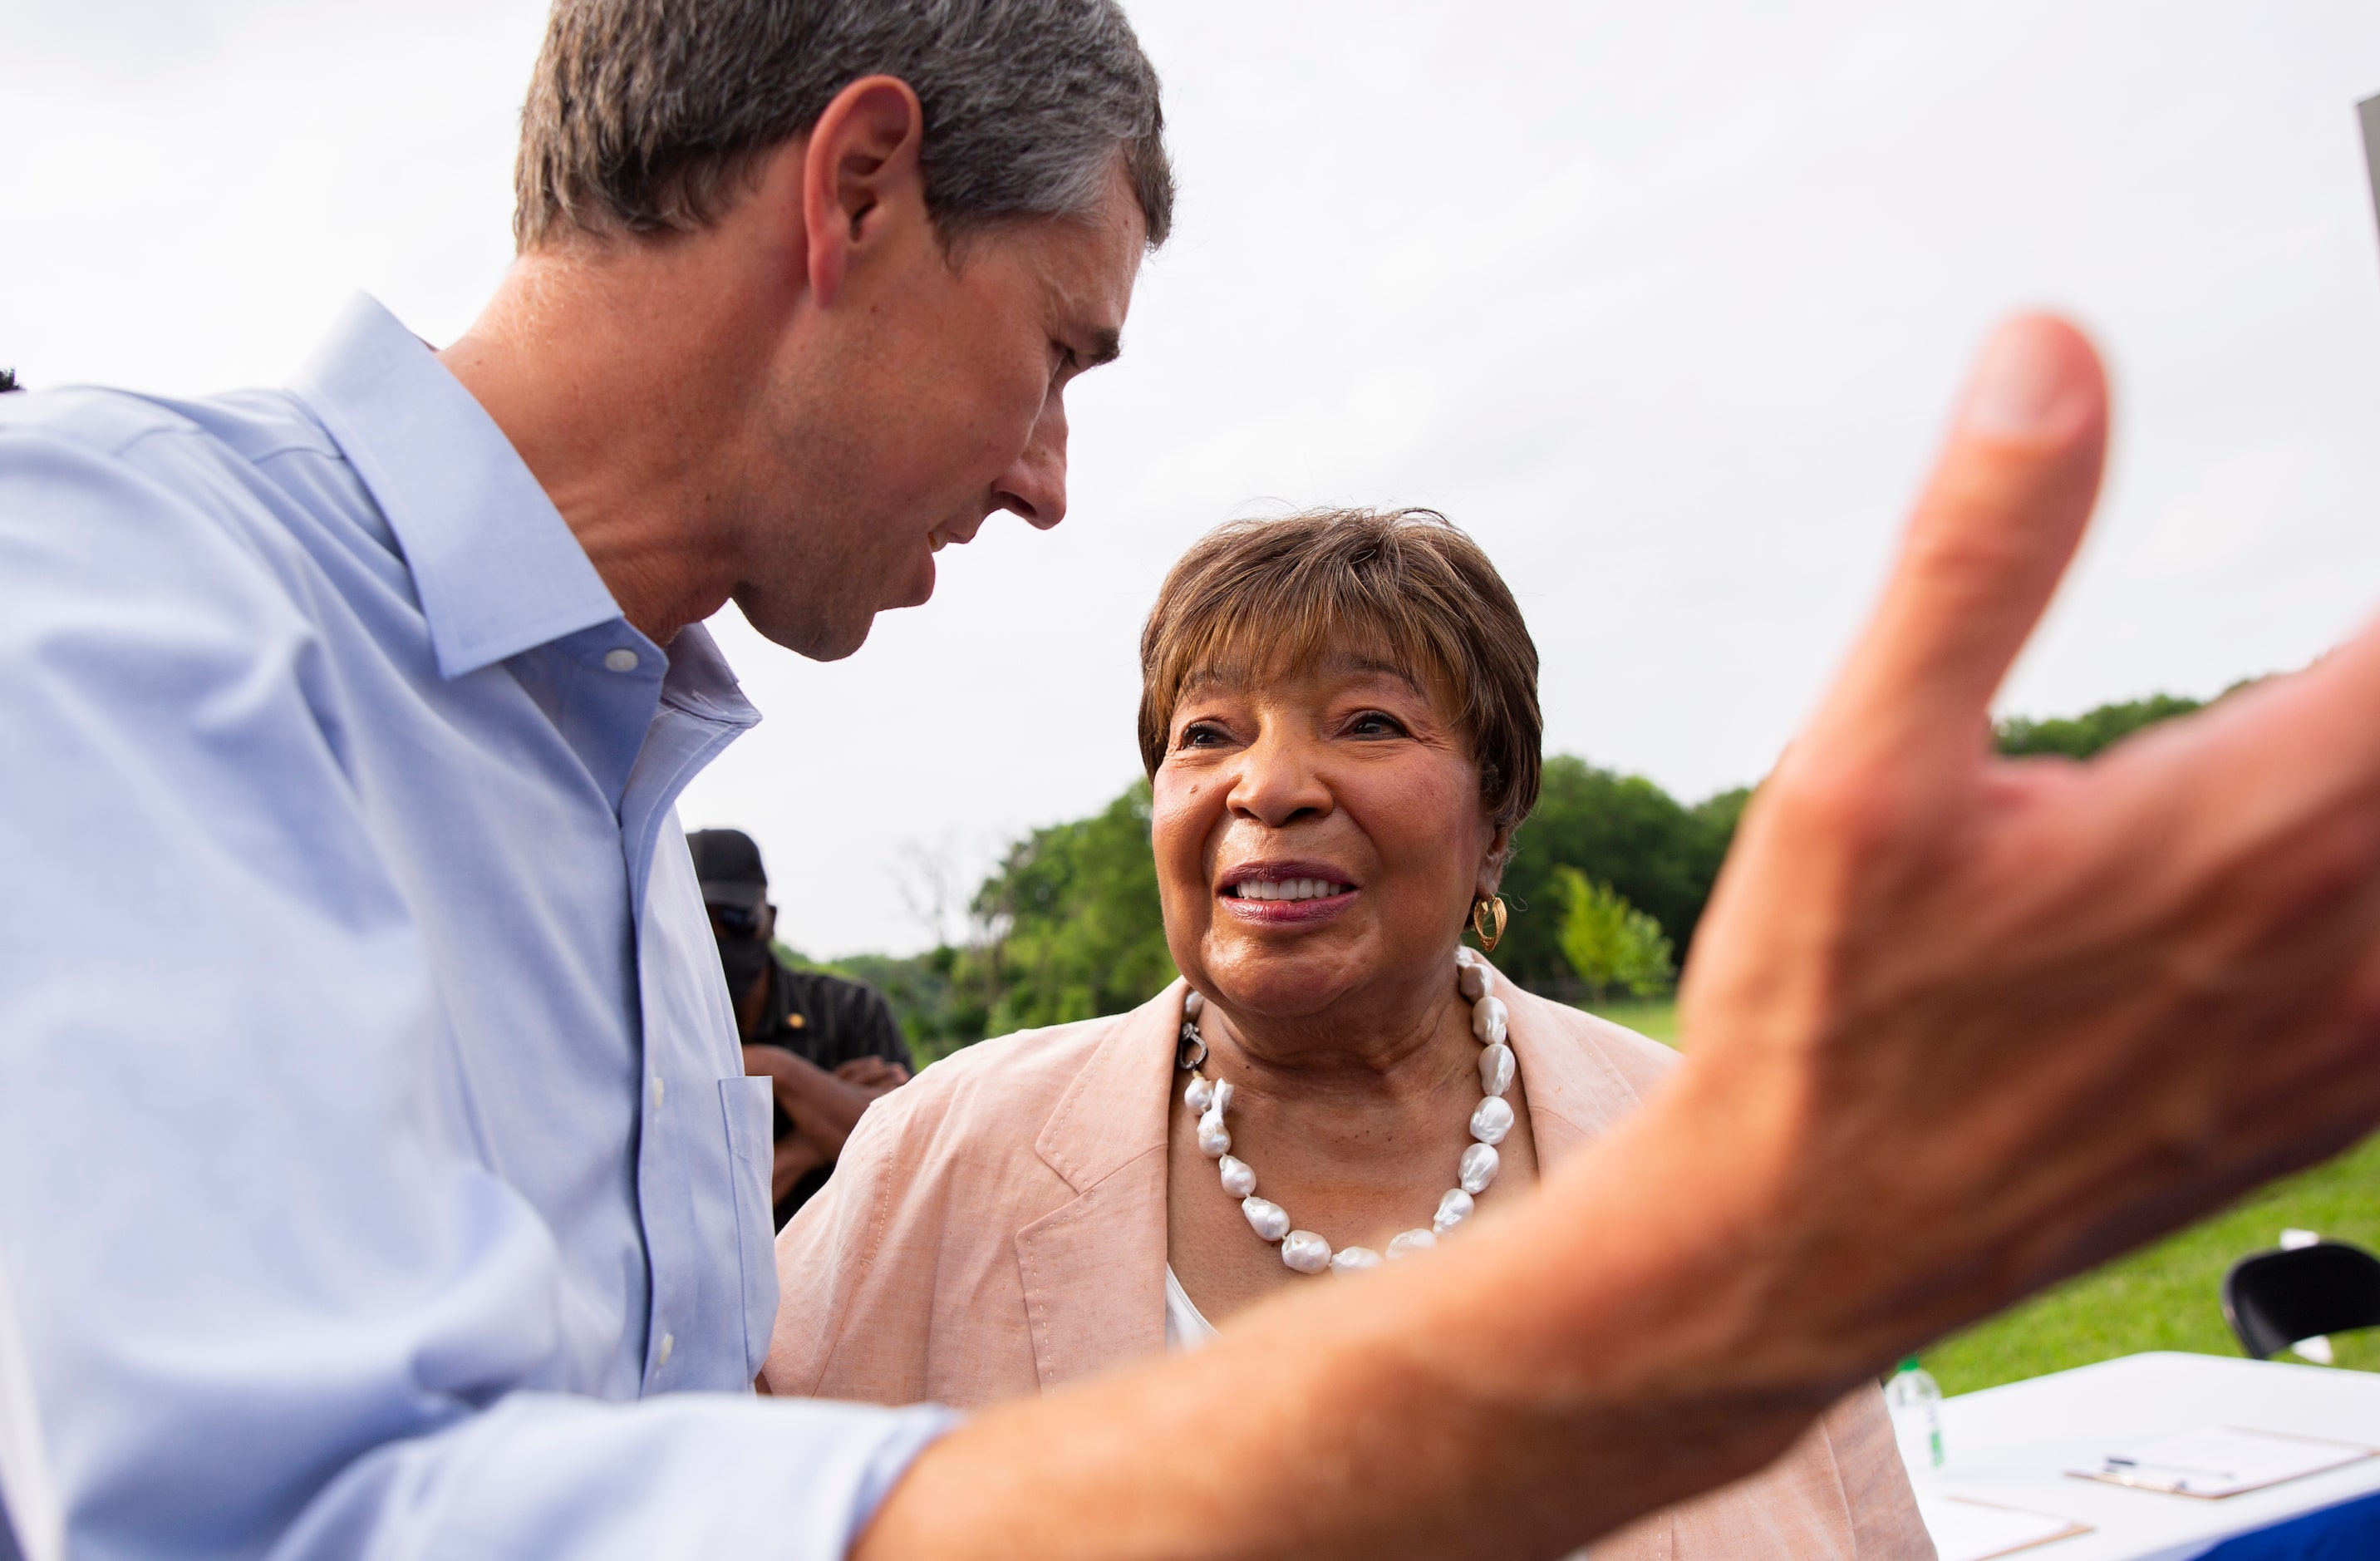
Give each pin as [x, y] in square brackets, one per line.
[1222, 1100]
[1464, 958]
[1496, 1069]
[1192, 1004]
[1452, 1210]
[1265, 1217]
[1199, 1096]
[1215, 1139]
[1489, 1021]
[1480, 1163]
[1405, 1243]
[1240, 1179]
[1488, 1123]
[1347, 1260]
[1305, 1252]
[1474, 981]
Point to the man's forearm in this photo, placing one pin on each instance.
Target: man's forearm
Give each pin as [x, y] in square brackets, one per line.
[1594, 1354]
[823, 1108]
[795, 1158]
[1664, 1315]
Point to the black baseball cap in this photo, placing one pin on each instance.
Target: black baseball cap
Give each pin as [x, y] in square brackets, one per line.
[727, 865]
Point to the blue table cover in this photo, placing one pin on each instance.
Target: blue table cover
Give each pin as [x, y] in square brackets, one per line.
[2349, 1531]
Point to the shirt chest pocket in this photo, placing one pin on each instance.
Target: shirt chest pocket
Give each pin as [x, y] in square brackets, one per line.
[745, 1102]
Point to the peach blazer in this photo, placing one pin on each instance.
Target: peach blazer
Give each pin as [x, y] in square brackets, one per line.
[997, 1227]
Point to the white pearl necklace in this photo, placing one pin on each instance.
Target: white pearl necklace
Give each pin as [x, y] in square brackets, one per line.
[1208, 1099]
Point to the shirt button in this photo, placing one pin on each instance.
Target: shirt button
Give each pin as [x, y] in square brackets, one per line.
[621, 659]
[669, 1342]
[656, 1091]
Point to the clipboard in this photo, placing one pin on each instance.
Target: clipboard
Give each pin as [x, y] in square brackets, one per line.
[1966, 1529]
[2222, 1462]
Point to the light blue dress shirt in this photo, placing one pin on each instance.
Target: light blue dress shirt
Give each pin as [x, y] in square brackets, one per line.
[32, 1528]
[378, 1172]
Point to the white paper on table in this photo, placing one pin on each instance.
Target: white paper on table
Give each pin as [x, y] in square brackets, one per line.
[1964, 1530]
[2222, 1462]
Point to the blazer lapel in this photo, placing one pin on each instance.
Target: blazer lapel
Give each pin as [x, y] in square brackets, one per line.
[1573, 1091]
[1094, 1268]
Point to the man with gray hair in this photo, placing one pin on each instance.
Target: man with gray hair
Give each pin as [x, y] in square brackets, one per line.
[432, 1142]
[430, 1152]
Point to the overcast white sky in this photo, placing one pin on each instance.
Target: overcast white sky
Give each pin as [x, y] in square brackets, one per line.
[1664, 303]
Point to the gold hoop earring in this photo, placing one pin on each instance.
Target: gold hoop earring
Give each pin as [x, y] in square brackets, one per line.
[1484, 912]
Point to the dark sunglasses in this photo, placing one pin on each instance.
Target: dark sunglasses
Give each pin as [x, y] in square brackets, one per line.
[735, 920]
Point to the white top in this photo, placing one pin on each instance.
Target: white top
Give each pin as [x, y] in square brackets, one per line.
[1185, 1326]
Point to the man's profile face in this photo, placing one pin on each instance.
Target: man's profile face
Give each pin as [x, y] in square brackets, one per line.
[932, 397]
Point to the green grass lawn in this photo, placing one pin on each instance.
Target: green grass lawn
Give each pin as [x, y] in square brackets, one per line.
[2162, 1297]
[1654, 1016]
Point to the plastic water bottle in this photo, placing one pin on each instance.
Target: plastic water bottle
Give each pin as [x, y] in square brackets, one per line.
[1915, 1400]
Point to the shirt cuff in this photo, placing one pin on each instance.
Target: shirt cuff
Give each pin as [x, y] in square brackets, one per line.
[920, 1427]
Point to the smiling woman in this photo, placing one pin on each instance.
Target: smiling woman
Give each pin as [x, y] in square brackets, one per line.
[1339, 720]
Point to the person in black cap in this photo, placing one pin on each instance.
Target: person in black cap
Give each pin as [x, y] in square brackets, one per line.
[828, 1046]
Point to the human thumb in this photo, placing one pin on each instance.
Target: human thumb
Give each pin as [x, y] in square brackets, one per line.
[1991, 535]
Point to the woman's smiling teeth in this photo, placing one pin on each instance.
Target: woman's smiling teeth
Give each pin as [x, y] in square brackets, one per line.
[1290, 890]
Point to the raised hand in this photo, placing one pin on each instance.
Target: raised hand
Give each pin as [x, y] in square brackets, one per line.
[2000, 1019]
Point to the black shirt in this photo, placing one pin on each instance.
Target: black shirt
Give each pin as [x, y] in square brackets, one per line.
[828, 1021]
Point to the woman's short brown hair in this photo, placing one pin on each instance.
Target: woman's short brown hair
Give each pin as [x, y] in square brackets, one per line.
[1405, 583]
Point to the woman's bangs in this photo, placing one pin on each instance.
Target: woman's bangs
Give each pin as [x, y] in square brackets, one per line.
[1255, 637]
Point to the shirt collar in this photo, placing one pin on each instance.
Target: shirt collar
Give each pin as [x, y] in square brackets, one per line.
[495, 565]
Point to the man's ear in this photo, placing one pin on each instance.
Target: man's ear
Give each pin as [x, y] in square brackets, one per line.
[862, 177]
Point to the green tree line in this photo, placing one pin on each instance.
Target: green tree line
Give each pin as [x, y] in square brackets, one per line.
[1606, 887]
